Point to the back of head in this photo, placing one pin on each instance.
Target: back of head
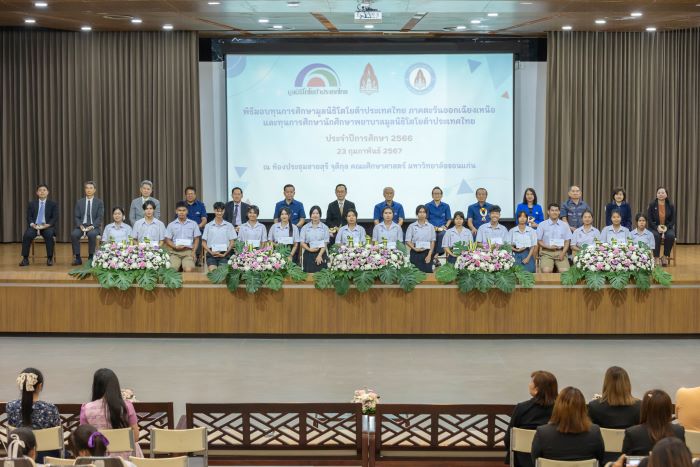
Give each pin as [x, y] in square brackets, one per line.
[617, 389]
[105, 386]
[670, 452]
[570, 413]
[28, 382]
[86, 438]
[21, 442]
[657, 413]
[547, 387]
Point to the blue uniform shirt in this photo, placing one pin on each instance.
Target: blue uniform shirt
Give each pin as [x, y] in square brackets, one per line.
[196, 211]
[379, 208]
[295, 206]
[535, 212]
[438, 215]
[478, 218]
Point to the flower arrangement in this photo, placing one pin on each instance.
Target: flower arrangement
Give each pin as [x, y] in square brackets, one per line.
[265, 267]
[128, 395]
[362, 264]
[119, 265]
[484, 267]
[368, 398]
[616, 263]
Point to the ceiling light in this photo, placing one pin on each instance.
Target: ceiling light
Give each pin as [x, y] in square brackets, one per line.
[460, 28]
[263, 20]
[292, 4]
[636, 14]
[277, 26]
[41, 4]
[137, 20]
[492, 15]
[651, 29]
[86, 28]
[567, 28]
[475, 21]
[369, 26]
[168, 27]
[213, 3]
[526, 3]
[600, 21]
[30, 21]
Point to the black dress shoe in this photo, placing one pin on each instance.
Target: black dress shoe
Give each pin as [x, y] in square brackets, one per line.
[49, 262]
[77, 261]
[24, 262]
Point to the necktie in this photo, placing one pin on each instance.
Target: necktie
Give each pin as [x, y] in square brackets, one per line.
[89, 212]
[40, 216]
[340, 205]
[235, 215]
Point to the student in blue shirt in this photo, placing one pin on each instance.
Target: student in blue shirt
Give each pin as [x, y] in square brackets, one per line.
[440, 216]
[294, 206]
[619, 202]
[478, 213]
[389, 203]
[534, 212]
[196, 212]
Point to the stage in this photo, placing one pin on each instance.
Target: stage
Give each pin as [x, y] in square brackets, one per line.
[40, 299]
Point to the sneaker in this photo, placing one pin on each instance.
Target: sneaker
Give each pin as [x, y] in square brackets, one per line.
[24, 262]
[77, 261]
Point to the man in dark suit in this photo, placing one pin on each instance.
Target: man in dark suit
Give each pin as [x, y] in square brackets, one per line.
[87, 218]
[42, 216]
[338, 209]
[236, 211]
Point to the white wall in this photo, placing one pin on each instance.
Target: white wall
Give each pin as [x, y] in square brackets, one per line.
[530, 101]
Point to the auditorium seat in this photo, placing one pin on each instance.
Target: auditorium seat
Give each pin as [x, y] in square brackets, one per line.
[50, 439]
[120, 440]
[692, 440]
[180, 461]
[24, 462]
[612, 439]
[542, 462]
[58, 461]
[99, 461]
[40, 239]
[192, 440]
[520, 441]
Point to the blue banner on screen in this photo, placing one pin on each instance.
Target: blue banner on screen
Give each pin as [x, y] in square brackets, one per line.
[411, 122]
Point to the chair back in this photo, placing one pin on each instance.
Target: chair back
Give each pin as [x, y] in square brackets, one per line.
[542, 462]
[692, 440]
[99, 461]
[58, 461]
[612, 439]
[23, 462]
[192, 440]
[50, 439]
[180, 461]
[120, 439]
[520, 441]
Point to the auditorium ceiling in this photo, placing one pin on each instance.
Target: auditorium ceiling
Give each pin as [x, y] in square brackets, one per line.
[322, 17]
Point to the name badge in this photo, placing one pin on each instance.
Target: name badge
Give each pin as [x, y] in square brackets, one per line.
[422, 245]
[497, 240]
[219, 247]
[522, 242]
[317, 244]
[183, 242]
[254, 243]
[558, 242]
[285, 240]
[391, 245]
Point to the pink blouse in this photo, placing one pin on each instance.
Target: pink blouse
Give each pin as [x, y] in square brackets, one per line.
[96, 414]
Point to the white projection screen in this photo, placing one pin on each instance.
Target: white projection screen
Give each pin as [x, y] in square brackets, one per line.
[408, 121]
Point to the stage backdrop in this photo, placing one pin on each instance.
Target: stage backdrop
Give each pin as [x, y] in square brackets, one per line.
[111, 107]
[624, 109]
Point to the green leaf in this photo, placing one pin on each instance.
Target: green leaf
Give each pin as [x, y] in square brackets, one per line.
[642, 280]
[459, 247]
[342, 284]
[296, 273]
[364, 280]
[484, 281]
[661, 276]
[570, 277]
[147, 279]
[446, 274]
[274, 281]
[323, 279]
[409, 277]
[218, 275]
[388, 275]
[526, 279]
[282, 249]
[238, 246]
[466, 282]
[618, 280]
[82, 272]
[504, 281]
[401, 246]
[170, 278]
[253, 281]
[233, 280]
[123, 280]
[595, 280]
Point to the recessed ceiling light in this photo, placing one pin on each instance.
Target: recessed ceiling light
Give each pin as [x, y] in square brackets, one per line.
[86, 28]
[493, 15]
[475, 21]
[292, 4]
[567, 28]
[30, 21]
[600, 21]
[213, 3]
[137, 20]
[277, 26]
[369, 26]
[651, 29]
[41, 4]
[526, 3]
[168, 27]
[460, 28]
[263, 20]
[636, 14]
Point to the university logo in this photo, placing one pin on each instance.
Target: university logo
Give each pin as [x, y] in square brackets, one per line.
[317, 75]
[420, 78]
[369, 84]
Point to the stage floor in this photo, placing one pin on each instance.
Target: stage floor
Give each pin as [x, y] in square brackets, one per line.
[53, 302]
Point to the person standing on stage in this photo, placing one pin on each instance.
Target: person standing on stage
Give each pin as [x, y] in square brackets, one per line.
[294, 206]
[42, 217]
[478, 213]
[420, 239]
[389, 202]
[136, 208]
[573, 208]
[338, 209]
[534, 212]
[236, 211]
[440, 216]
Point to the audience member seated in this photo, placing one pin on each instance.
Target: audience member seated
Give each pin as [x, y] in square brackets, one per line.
[569, 435]
[117, 231]
[388, 230]
[136, 210]
[30, 411]
[87, 441]
[662, 223]
[523, 241]
[396, 208]
[294, 206]
[42, 218]
[573, 208]
[285, 233]
[534, 412]
[493, 232]
[149, 227]
[688, 408]
[182, 237]
[641, 233]
[457, 234]
[619, 201]
[553, 239]
[616, 408]
[655, 424]
[534, 211]
[88, 215]
[616, 231]
[108, 410]
[420, 239]
[668, 452]
[253, 232]
[478, 213]
[218, 238]
[314, 238]
[21, 444]
[586, 234]
[351, 230]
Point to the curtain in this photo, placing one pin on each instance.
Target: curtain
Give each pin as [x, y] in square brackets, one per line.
[115, 108]
[623, 109]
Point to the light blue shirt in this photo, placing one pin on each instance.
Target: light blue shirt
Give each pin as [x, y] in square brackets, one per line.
[219, 234]
[315, 233]
[153, 231]
[392, 234]
[187, 230]
[608, 233]
[487, 232]
[117, 233]
[277, 231]
[248, 232]
[358, 235]
[581, 237]
[452, 236]
[420, 232]
[644, 237]
[549, 230]
[518, 238]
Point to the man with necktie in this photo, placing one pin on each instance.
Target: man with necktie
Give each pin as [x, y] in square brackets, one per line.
[42, 216]
[87, 218]
[338, 209]
[236, 211]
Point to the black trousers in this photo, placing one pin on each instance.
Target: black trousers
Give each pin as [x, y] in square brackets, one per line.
[75, 236]
[669, 240]
[29, 236]
[418, 260]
